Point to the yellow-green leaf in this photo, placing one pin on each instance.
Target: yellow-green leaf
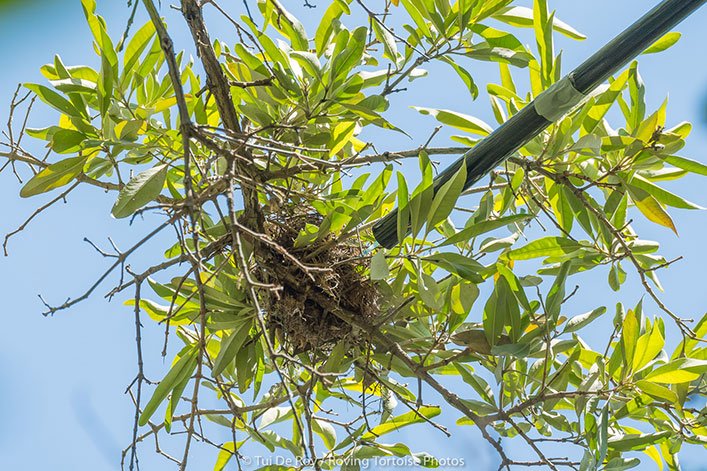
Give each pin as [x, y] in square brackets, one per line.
[682, 370]
[54, 176]
[461, 121]
[341, 135]
[663, 195]
[629, 335]
[650, 207]
[396, 423]
[687, 164]
[657, 391]
[633, 442]
[545, 247]
[667, 41]
[523, 17]
[648, 347]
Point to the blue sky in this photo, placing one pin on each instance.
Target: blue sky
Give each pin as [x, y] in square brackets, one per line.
[61, 393]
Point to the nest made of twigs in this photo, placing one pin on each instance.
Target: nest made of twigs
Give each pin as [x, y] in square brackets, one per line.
[339, 272]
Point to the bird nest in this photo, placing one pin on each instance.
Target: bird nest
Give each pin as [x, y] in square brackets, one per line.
[338, 270]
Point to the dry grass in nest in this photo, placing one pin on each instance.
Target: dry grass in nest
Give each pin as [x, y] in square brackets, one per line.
[297, 319]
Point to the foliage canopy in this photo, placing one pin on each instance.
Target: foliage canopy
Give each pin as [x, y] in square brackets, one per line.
[314, 341]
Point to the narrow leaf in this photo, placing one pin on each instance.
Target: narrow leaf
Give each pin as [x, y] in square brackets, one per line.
[545, 247]
[184, 367]
[446, 198]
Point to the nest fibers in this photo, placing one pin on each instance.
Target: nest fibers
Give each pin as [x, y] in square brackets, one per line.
[298, 321]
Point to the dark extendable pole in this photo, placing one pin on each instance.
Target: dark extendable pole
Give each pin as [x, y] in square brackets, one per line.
[553, 103]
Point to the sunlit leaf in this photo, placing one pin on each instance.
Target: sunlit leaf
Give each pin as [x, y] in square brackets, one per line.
[545, 247]
[523, 17]
[140, 190]
[678, 371]
[461, 121]
[400, 421]
[54, 176]
[650, 207]
[665, 42]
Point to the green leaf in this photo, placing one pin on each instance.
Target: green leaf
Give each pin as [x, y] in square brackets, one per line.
[557, 293]
[637, 91]
[379, 266]
[648, 347]
[662, 195]
[55, 100]
[108, 72]
[327, 24]
[545, 247]
[428, 290]
[542, 22]
[657, 391]
[66, 141]
[75, 85]
[390, 47]
[174, 399]
[348, 51]
[309, 62]
[621, 464]
[461, 121]
[667, 41]
[561, 206]
[646, 131]
[629, 335]
[650, 207]
[140, 190]
[475, 381]
[229, 348]
[494, 317]
[399, 421]
[635, 406]
[340, 136]
[523, 17]
[54, 176]
[224, 455]
[682, 370]
[138, 43]
[687, 164]
[286, 24]
[184, 367]
[634, 442]
[509, 304]
[326, 431]
[422, 195]
[603, 102]
[582, 320]
[446, 198]
[465, 267]
[417, 17]
[482, 227]
[464, 75]
[501, 55]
